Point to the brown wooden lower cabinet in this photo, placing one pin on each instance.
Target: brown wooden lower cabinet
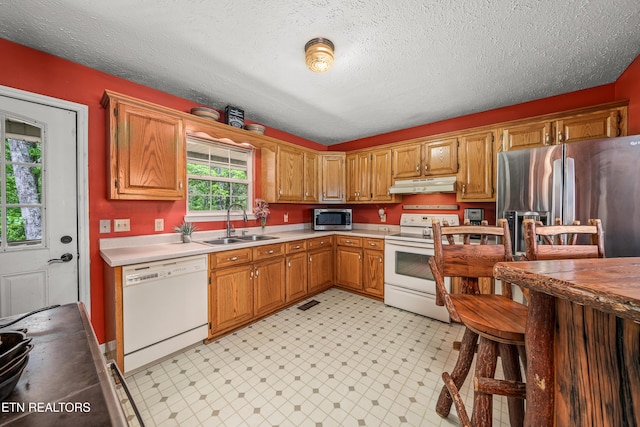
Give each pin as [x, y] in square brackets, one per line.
[320, 272]
[231, 297]
[296, 276]
[373, 272]
[349, 267]
[268, 286]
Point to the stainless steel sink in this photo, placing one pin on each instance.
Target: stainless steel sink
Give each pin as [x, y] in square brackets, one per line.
[256, 237]
[223, 241]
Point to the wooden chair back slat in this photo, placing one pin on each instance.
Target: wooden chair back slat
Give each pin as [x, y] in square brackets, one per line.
[561, 241]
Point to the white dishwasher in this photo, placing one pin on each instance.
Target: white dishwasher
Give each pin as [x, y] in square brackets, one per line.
[164, 308]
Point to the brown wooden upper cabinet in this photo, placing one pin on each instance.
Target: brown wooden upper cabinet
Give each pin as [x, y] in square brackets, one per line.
[433, 157]
[147, 150]
[476, 176]
[600, 122]
[332, 178]
[369, 176]
[296, 175]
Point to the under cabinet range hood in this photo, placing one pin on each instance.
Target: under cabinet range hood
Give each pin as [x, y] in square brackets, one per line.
[445, 184]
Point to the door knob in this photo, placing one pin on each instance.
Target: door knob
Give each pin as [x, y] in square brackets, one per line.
[64, 258]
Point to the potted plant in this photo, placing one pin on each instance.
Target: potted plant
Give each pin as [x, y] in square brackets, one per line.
[186, 228]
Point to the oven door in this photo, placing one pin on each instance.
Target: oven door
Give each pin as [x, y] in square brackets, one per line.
[407, 265]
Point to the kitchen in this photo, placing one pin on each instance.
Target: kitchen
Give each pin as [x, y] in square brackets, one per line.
[142, 214]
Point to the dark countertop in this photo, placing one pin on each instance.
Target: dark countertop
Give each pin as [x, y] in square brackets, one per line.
[66, 381]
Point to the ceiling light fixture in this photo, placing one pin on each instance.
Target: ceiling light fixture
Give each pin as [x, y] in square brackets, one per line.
[319, 54]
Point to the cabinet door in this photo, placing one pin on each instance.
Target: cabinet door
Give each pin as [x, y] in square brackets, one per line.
[373, 272]
[290, 173]
[310, 177]
[406, 161]
[599, 124]
[231, 297]
[358, 177]
[148, 155]
[296, 280]
[320, 273]
[528, 135]
[441, 157]
[333, 178]
[349, 267]
[268, 282]
[381, 178]
[476, 169]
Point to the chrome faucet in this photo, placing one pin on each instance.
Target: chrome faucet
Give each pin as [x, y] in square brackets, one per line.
[244, 216]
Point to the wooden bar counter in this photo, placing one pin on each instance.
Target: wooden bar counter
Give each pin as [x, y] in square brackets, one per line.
[582, 340]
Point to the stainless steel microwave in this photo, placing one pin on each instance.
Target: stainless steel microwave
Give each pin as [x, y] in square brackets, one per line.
[332, 219]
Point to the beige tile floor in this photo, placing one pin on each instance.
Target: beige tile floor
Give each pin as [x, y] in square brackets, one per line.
[348, 361]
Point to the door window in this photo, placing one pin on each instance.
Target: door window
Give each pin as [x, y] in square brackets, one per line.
[21, 186]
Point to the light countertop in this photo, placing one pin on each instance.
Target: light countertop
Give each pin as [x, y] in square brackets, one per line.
[121, 251]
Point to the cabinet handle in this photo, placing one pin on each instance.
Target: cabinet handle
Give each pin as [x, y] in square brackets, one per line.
[289, 264]
[296, 247]
[547, 139]
[257, 272]
[560, 137]
[322, 242]
[233, 258]
[464, 189]
[180, 184]
[348, 241]
[418, 168]
[359, 257]
[306, 194]
[324, 194]
[251, 273]
[426, 168]
[309, 258]
[372, 244]
[270, 252]
[280, 191]
[380, 260]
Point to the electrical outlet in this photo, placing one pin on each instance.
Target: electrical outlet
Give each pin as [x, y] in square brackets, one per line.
[121, 225]
[105, 226]
[286, 217]
[159, 224]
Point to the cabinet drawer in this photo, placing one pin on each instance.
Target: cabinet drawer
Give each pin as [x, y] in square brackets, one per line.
[295, 247]
[227, 258]
[319, 242]
[356, 242]
[267, 251]
[374, 244]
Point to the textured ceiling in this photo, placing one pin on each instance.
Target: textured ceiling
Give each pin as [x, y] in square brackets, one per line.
[398, 63]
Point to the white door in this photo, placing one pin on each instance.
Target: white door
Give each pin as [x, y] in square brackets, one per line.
[38, 206]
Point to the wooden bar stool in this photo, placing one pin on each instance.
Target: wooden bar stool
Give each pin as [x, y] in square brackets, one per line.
[551, 242]
[495, 322]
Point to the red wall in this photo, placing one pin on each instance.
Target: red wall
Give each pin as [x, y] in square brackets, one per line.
[628, 87]
[38, 72]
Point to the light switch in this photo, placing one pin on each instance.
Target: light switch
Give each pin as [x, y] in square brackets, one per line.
[159, 225]
[105, 226]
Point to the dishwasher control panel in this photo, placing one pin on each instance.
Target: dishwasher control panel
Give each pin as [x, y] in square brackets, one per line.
[134, 275]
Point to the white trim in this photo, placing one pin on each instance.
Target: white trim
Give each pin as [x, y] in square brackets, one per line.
[82, 164]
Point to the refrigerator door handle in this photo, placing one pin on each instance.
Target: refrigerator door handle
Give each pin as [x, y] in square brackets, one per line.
[556, 195]
[569, 207]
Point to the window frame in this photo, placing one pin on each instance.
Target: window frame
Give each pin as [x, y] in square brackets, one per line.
[204, 216]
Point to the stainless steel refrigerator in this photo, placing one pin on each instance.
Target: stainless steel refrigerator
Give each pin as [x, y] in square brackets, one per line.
[581, 180]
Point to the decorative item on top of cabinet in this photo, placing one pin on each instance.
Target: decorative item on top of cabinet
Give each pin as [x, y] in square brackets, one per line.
[476, 176]
[146, 150]
[332, 178]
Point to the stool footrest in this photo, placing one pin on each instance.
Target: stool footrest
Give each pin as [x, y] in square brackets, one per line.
[507, 388]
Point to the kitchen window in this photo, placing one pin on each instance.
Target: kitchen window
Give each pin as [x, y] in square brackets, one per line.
[218, 175]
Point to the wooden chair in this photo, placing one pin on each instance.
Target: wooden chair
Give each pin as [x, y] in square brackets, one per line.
[495, 323]
[547, 242]
[553, 242]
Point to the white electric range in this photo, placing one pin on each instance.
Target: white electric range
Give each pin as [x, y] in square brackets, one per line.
[408, 282]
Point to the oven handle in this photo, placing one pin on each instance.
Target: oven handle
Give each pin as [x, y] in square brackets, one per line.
[115, 369]
[389, 244]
